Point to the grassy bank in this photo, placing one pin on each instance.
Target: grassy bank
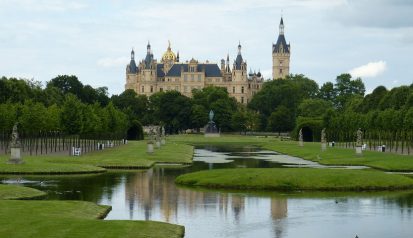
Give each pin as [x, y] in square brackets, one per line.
[342, 156]
[224, 139]
[19, 192]
[296, 179]
[130, 156]
[51, 219]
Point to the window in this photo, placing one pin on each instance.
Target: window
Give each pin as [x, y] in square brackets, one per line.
[160, 89]
[199, 78]
[249, 86]
[233, 89]
[281, 63]
[151, 89]
[281, 71]
[242, 89]
[242, 99]
[143, 88]
[185, 77]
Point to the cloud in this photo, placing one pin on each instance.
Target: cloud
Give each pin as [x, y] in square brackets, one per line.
[43, 5]
[370, 70]
[112, 62]
[381, 14]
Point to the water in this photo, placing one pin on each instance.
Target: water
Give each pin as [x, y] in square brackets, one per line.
[152, 195]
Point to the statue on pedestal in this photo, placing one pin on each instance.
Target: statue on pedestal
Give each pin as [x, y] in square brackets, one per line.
[15, 147]
[323, 140]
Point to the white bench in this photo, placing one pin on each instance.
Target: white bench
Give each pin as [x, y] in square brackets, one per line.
[76, 151]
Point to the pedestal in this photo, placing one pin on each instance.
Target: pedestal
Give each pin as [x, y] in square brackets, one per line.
[149, 148]
[301, 143]
[359, 150]
[15, 157]
[323, 146]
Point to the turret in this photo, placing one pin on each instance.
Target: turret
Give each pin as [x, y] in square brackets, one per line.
[281, 55]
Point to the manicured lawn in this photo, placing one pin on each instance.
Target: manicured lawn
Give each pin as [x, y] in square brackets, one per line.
[342, 156]
[50, 219]
[130, 156]
[45, 165]
[296, 179]
[224, 139]
[19, 192]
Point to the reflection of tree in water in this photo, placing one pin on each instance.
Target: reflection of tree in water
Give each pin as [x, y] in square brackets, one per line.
[404, 201]
[80, 187]
[279, 211]
[237, 203]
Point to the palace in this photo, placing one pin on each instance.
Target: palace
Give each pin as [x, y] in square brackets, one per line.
[150, 76]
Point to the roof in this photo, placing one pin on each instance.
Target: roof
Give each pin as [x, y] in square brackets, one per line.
[132, 67]
[281, 41]
[211, 70]
[159, 70]
[238, 61]
[148, 60]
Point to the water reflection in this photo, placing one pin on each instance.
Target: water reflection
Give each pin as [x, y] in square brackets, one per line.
[153, 195]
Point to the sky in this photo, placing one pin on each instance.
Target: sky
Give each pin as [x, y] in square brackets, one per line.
[92, 39]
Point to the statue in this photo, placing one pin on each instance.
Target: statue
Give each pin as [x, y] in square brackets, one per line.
[359, 140]
[211, 129]
[15, 147]
[211, 115]
[323, 140]
[15, 142]
[163, 142]
[300, 137]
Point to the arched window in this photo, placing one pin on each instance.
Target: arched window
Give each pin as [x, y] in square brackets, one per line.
[242, 89]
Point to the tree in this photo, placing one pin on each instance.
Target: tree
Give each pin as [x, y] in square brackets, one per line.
[327, 92]
[199, 116]
[71, 117]
[281, 120]
[313, 107]
[345, 88]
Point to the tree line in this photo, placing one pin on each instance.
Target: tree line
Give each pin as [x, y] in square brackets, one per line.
[280, 106]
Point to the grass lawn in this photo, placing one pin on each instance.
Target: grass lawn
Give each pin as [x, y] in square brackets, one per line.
[342, 156]
[296, 179]
[48, 219]
[224, 139]
[130, 156]
[19, 192]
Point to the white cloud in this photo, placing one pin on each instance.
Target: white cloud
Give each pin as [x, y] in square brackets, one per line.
[43, 5]
[113, 62]
[369, 70]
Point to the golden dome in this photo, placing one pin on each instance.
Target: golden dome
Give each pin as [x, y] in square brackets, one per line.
[169, 55]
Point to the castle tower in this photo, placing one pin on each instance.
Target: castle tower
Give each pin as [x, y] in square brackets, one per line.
[280, 55]
[239, 70]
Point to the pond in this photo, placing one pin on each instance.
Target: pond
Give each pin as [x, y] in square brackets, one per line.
[153, 195]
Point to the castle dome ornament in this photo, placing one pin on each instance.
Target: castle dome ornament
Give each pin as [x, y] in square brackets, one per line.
[169, 55]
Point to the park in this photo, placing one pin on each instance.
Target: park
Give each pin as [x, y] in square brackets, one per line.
[206, 119]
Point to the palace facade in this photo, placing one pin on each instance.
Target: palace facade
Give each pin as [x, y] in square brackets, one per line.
[150, 76]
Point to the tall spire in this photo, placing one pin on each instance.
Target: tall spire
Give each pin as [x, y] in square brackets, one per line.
[132, 54]
[282, 26]
[148, 48]
[239, 47]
